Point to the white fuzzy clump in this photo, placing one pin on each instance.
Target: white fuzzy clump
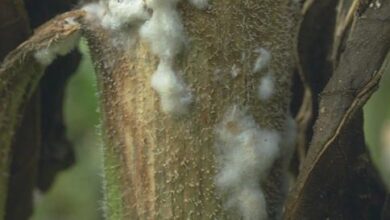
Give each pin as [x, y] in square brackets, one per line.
[174, 96]
[94, 11]
[251, 203]
[266, 87]
[245, 153]
[164, 32]
[235, 71]
[200, 4]
[122, 18]
[262, 61]
[47, 55]
[124, 12]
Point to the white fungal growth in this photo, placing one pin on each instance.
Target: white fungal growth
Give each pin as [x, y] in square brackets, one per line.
[262, 61]
[94, 11]
[165, 33]
[266, 87]
[235, 71]
[245, 153]
[252, 204]
[200, 4]
[125, 12]
[123, 18]
[47, 55]
[175, 98]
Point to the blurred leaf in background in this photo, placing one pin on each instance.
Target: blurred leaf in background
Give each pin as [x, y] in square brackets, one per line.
[76, 193]
[376, 124]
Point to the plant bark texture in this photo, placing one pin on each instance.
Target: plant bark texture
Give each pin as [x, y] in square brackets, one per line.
[161, 166]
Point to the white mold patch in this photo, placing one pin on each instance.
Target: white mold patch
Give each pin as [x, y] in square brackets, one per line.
[47, 55]
[125, 12]
[165, 33]
[162, 30]
[94, 11]
[266, 87]
[121, 17]
[251, 203]
[245, 153]
[235, 71]
[200, 4]
[174, 96]
[262, 61]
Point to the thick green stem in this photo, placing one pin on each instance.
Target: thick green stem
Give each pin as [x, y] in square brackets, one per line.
[163, 166]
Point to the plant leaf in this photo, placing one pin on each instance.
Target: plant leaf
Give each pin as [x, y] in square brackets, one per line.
[20, 73]
[337, 158]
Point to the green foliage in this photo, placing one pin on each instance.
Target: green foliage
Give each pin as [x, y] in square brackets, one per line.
[376, 115]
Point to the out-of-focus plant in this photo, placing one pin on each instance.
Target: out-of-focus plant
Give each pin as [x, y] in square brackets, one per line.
[377, 129]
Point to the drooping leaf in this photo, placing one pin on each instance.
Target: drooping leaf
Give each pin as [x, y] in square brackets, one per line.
[337, 180]
[20, 73]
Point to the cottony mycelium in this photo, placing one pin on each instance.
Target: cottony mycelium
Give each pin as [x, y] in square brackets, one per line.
[45, 56]
[157, 22]
[164, 31]
[245, 153]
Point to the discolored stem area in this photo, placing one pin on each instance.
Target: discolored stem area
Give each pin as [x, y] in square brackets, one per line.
[163, 166]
